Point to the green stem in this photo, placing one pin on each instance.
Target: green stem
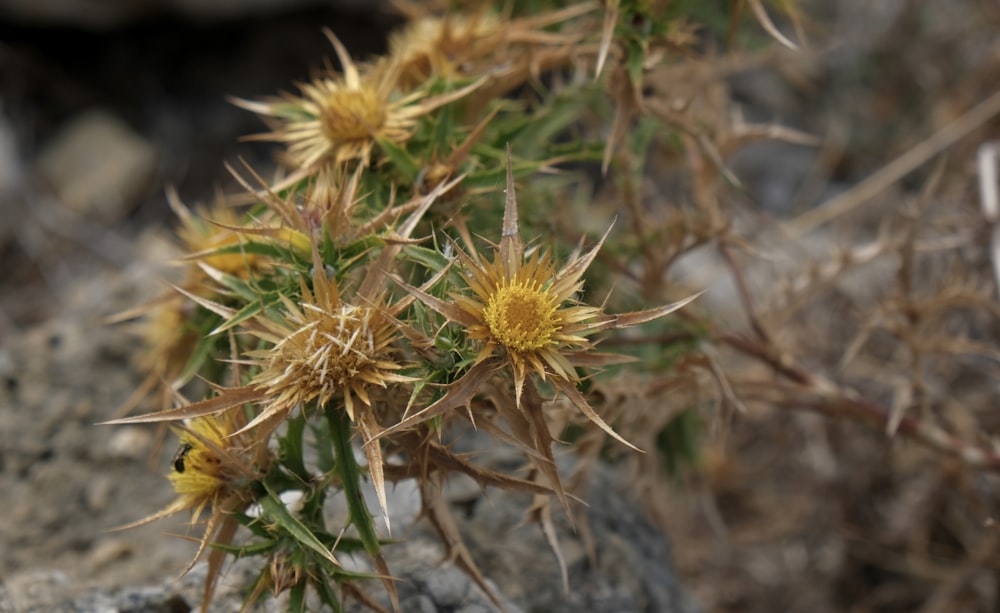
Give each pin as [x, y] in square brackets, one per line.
[350, 477]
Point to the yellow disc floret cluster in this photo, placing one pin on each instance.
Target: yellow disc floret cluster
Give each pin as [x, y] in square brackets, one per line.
[349, 115]
[197, 473]
[522, 315]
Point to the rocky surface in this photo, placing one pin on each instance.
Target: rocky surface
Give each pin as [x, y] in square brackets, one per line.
[633, 571]
[68, 481]
[98, 167]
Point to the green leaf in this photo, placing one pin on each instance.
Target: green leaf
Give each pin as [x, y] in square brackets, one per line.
[243, 551]
[444, 127]
[324, 451]
[432, 260]
[634, 62]
[297, 598]
[327, 594]
[270, 250]
[204, 348]
[275, 509]
[345, 544]
[678, 442]
[291, 447]
[238, 286]
[350, 477]
[494, 176]
[242, 315]
[401, 159]
[254, 525]
[561, 112]
[342, 258]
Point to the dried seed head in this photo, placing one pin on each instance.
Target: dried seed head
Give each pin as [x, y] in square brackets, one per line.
[442, 46]
[285, 572]
[340, 350]
[322, 348]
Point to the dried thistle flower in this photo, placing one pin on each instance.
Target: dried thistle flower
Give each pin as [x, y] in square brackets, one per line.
[456, 46]
[284, 572]
[325, 205]
[341, 118]
[442, 46]
[324, 347]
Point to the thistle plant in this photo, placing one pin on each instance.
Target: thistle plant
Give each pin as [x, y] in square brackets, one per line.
[353, 304]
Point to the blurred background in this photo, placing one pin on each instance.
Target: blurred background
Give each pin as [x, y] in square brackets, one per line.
[103, 105]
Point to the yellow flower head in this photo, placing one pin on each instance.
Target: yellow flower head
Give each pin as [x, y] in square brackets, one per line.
[521, 315]
[529, 310]
[169, 339]
[168, 343]
[525, 312]
[202, 471]
[338, 118]
[205, 232]
[523, 305]
[214, 467]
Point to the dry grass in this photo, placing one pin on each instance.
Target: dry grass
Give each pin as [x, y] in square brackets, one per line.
[849, 459]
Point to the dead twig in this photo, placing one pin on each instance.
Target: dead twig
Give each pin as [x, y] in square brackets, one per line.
[898, 168]
[813, 393]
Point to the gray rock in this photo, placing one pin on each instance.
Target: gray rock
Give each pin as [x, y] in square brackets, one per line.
[98, 167]
[773, 172]
[66, 481]
[53, 592]
[36, 591]
[429, 583]
[633, 570]
[11, 179]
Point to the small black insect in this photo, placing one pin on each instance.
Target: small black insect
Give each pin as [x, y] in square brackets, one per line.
[179, 457]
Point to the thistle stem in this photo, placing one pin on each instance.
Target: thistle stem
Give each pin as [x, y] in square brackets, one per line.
[350, 476]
